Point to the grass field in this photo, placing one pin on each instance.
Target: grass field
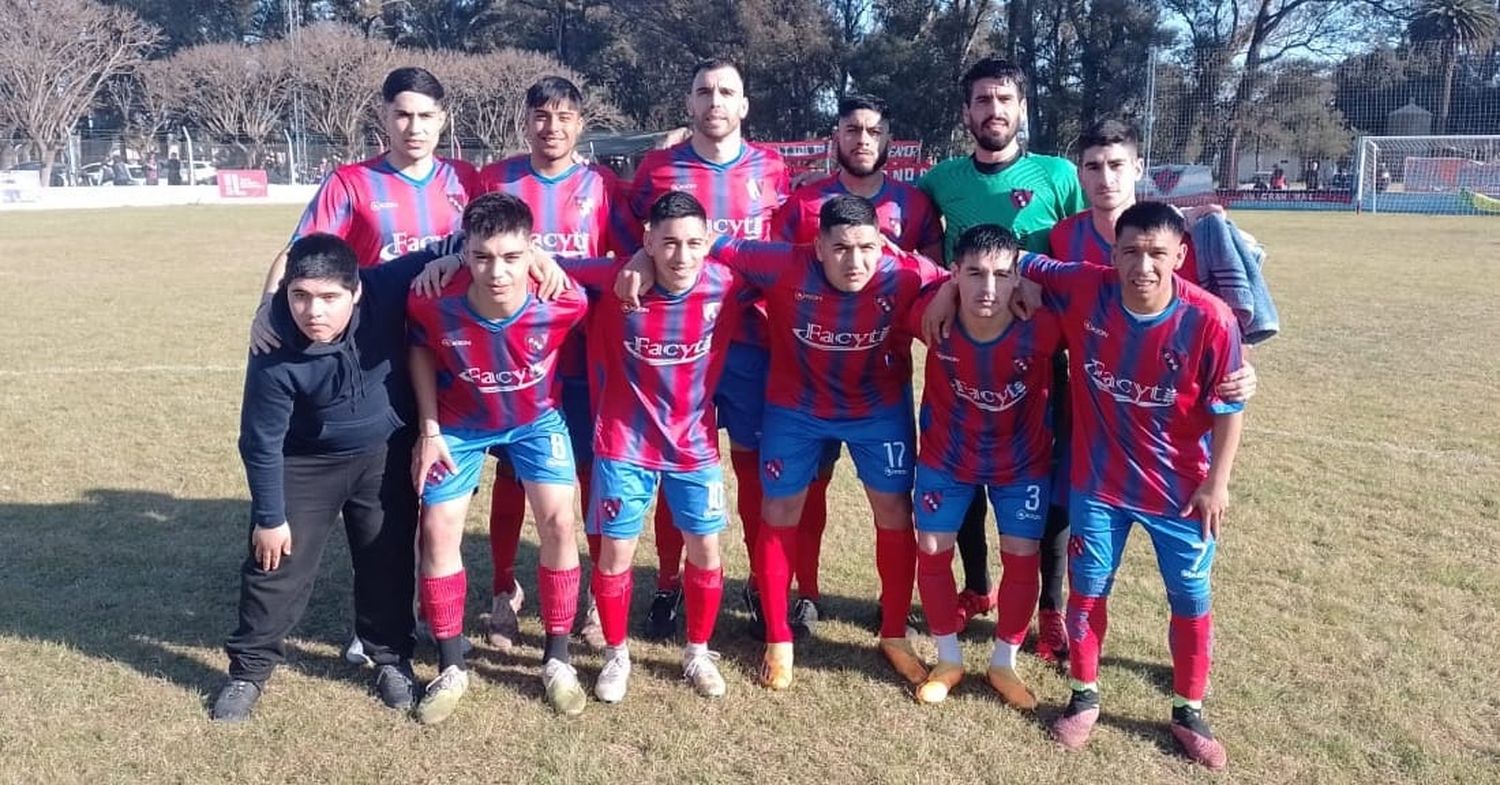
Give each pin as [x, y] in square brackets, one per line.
[1356, 584]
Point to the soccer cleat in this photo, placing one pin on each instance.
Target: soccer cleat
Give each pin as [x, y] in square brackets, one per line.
[702, 671]
[396, 685]
[442, 695]
[503, 623]
[971, 604]
[564, 693]
[776, 666]
[614, 677]
[589, 627]
[1011, 688]
[236, 699]
[751, 598]
[1072, 729]
[1197, 741]
[900, 654]
[354, 652]
[804, 618]
[661, 622]
[943, 679]
[1052, 637]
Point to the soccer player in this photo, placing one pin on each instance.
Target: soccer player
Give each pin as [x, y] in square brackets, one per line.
[483, 364]
[740, 186]
[1005, 184]
[656, 365]
[861, 140]
[321, 436]
[1156, 445]
[985, 428]
[572, 204]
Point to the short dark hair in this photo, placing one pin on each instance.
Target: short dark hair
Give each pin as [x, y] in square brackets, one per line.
[854, 102]
[1107, 132]
[984, 239]
[322, 257]
[715, 63]
[676, 204]
[1151, 216]
[997, 68]
[411, 79]
[846, 210]
[553, 90]
[495, 214]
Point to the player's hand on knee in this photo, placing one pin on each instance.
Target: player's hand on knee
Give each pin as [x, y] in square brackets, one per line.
[263, 337]
[1209, 503]
[430, 461]
[1238, 386]
[437, 274]
[270, 544]
[937, 320]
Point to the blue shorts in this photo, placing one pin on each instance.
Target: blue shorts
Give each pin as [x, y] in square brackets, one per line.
[578, 414]
[540, 451]
[1098, 539]
[795, 445]
[621, 493]
[741, 395]
[941, 501]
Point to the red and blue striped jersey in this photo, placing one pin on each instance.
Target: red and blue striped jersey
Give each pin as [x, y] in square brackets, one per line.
[834, 355]
[985, 416]
[654, 369]
[1141, 388]
[492, 375]
[906, 214]
[740, 197]
[383, 213]
[1076, 239]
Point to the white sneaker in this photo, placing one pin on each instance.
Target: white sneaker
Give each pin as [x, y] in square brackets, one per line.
[442, 695]
[702, 671]
[614, 678]
[564, 692]
[354, 653]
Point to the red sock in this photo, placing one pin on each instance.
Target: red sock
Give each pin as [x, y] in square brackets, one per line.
[507, 515]
[896, 561]
[442, 601]
[705, 591]
[559, 598]
[748, 499]
[668, 547]
[612, 597]
[1088, 620]
[775, 550]
[939, 594]
[1192, 654]
[1020, 586]
[810, 538]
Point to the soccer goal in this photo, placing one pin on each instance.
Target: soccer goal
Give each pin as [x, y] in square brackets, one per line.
[1448, 175]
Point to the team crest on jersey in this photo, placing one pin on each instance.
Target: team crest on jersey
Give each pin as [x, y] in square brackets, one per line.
[457, 202]
[711, 311]
[1075, 546]
[610, 508]
[753, 188]
[1021, 364]
[1020, 197]
[1171, 359]
[584, 204]
[536, 343]
[932, 500]
[773, 468]
[884, 303]
[893, 225]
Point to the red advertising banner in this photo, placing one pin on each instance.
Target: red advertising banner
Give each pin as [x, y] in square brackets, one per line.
[242, 184]
[904, 161]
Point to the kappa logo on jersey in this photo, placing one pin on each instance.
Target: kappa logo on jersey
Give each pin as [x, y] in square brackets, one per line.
[667, 352]
[1171, 359]
[610, 508]
[1020, 197]
[536, 343]
[1129, 390]
[743, 228]
[932, 501]
[1096, 330]
[505, 381]
[773, 468]
[811, 297]
[456, 342]
[990, 400]
[403, 243]
[819, 337]
[686, 188]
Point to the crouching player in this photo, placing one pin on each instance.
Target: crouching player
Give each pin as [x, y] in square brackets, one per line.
[985, 427]
[483, 357]
[1153, 442]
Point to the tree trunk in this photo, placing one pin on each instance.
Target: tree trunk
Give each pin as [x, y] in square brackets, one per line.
[1450, 68]
[1229, 163]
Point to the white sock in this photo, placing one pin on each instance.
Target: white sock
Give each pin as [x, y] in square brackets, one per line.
[1004, 655]
[948, 650]
[694, 650]
[611, 652]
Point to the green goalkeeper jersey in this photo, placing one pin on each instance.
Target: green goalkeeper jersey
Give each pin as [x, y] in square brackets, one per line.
[1027, 196]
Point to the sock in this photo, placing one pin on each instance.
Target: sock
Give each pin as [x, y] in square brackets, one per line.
[556, 648]
[747, 501]
[705, 591]
[668, 547]
[1020, 583]
[810, 538]
[896, 562]
[559, 598]
[775, 549]
[1192, 653]
[507, 515]
[1004, 654]
[451, 652]
[612, 596]
[442, 600]
[1088, 620]
[947, 646]
[939, 595]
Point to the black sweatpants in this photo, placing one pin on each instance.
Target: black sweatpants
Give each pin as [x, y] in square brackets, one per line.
[373, 493]
[973, 552]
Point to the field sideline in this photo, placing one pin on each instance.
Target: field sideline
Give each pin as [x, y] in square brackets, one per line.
[1356, 587]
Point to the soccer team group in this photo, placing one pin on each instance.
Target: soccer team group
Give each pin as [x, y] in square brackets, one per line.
[596, 334]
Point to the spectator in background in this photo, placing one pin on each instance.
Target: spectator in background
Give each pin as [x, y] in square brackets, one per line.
[174, 170]
[1278, 178]
[1310, 177]
[151, 169]
[119, 171]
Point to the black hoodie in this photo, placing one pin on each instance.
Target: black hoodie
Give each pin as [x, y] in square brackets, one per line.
[340, 398]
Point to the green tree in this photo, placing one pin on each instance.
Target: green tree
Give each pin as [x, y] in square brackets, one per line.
[1453, 28]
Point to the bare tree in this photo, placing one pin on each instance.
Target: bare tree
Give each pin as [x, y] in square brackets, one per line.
[338, 74]
[146, 102]
[486, 96]
[55, 58]
[237, 94]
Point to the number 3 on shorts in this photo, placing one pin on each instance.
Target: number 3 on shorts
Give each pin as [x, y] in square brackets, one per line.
[1033, 498]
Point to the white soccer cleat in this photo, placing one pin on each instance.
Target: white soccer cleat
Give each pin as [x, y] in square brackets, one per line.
[614, 678]
[702, 671]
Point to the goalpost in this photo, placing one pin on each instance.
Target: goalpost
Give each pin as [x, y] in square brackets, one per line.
[1454, 175]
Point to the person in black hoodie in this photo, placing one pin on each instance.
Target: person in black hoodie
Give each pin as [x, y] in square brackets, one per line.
[322, 432]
